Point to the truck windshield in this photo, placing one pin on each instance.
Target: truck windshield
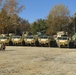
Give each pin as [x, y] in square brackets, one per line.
[44, 37]
[3, 37]
[62, 38]
[29, 37]
[16, 37]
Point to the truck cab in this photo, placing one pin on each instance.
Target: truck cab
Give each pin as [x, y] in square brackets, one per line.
[31, 40]
[62, 42]
[16, 40]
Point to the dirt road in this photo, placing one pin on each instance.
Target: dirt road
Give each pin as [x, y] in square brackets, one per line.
[37, 61]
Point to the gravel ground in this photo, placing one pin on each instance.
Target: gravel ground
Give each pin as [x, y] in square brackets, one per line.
[16, 60]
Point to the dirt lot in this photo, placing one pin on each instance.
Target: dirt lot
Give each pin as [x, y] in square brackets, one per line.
[37, 61]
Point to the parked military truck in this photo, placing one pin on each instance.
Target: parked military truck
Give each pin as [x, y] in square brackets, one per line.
[62, 39]
[16, 40]
[73, 41]
[31, 40]
[4, 39]
[46, 40]
[62, 42]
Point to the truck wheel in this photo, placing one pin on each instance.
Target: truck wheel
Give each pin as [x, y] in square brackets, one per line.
[10, 43]
[49, 44]
[52, 44]
[36, 43]
[23, 43]
[71, 44]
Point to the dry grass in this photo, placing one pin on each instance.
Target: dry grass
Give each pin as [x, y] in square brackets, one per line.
[37, 61]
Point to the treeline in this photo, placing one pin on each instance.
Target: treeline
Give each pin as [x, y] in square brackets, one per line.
[13, 24]
[58, 19]
[10, 22]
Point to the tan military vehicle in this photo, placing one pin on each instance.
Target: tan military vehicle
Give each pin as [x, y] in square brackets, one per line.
[46, 40]
[31, 40]
[16, 40]
[62, 41]
[2, 46]
[4, 39]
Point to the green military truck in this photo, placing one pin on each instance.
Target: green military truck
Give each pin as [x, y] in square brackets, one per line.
[31, 40]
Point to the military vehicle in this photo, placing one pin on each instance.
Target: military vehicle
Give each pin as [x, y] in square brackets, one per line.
[62, 41]
[31, 40]
[73, 41]
[2, 46]
[16, 40]
[45, 40]
[4, 39]
[61, 33]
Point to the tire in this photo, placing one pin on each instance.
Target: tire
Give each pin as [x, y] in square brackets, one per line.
[10, 43]
[71, 44]
[52, 44]
[23, 43]
[36, 43]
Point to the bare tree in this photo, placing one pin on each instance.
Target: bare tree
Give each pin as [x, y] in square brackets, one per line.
[12, 7]
[57, 19]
